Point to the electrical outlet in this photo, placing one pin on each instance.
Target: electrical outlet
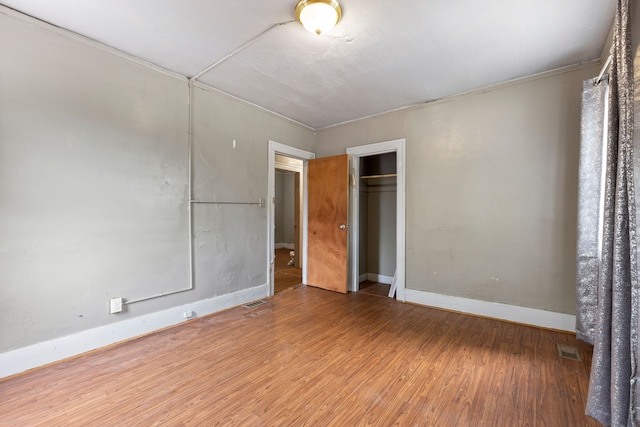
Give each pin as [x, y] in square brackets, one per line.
[188, 314]
[116, 305]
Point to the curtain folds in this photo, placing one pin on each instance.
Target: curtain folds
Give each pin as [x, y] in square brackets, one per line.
[613, 388]
[590, 195]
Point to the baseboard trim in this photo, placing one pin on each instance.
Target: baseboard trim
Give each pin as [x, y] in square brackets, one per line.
[33, 356]
[290, 246]
[512, 313]
[380, 278]
[373, 277]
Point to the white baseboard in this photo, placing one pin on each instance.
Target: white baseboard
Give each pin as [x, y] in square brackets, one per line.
[33, 356]
[373, 277]
[290, 246]
[512, 313]
[380, 278]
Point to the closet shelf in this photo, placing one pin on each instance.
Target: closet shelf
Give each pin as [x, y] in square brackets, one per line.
[387, 175]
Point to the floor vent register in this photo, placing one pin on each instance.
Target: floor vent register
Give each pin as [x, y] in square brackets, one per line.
[254, 304]
[568, 352]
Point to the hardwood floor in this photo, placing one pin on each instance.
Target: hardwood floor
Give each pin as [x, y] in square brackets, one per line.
[285, 276]
[314, 357]
[374, 288]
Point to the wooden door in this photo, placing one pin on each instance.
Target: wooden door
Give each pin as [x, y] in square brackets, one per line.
[328, 201]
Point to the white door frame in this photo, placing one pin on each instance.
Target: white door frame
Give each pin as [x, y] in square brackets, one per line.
[397, 145]
[285, 150]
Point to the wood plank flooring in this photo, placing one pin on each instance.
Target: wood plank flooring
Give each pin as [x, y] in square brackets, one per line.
[318, 358]
[374, 288]
[285, 276]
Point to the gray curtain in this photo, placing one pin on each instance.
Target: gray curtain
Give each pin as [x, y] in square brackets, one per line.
[613, 387]
[590, 203]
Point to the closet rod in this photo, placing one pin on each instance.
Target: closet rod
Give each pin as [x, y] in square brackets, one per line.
[604, 68]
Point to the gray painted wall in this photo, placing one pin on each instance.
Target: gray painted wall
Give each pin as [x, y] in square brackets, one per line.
[279, 208]
[378, 215]
[93, 186]
[289, 208]
[381, 227]
[363, 242]
[284, 208]
[491, 189]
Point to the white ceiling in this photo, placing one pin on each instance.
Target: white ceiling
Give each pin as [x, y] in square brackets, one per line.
[383, 55]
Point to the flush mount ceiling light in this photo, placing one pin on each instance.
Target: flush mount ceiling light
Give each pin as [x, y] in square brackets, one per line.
[318, 16]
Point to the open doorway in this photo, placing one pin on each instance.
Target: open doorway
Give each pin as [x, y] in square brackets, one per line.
[355, 154]
[377, 207]
[290, 164]
[377, 223]
[287, 217]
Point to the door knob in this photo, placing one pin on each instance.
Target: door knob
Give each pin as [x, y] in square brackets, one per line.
[343, 227]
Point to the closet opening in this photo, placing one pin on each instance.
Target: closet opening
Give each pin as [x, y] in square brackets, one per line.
[377, 223]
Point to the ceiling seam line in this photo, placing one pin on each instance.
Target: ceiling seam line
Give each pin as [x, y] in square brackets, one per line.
[13, 13]
[500, 85]
[65, 32]
[201, 85]
[238, 49]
